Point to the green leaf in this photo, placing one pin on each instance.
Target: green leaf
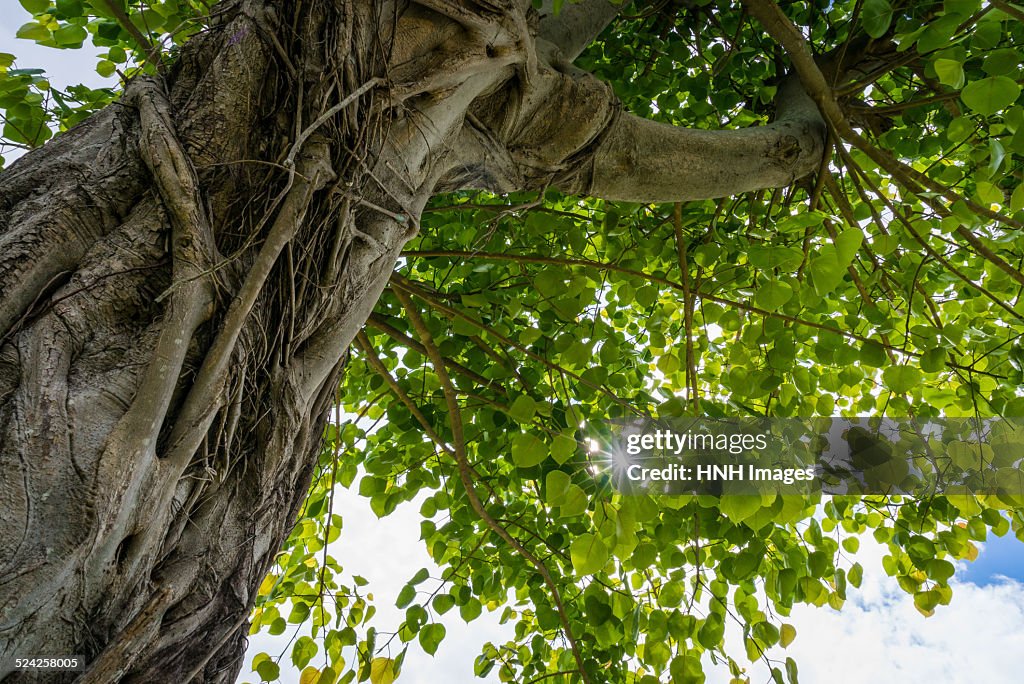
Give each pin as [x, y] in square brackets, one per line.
[773, 295]
[847, 243]
[588, 553]
[70, 36]
[711, 632]
[671, 594]
[646, 296]
[829, 267]
[523, 409]
[855, 574]
[382, 671]
[940, 570]
[443, 603]
[787, 634]
[791, 671]
[299, 612]
[687, 668]
[950, 72]
[960, 128]
[430, 637]
[303, 651]
[574, 502]
[405, 596]
[1017, 198]
[772, 257]
[872, 354]
[990, 95]
[739, 507]
[989, 193]
[826, 273]
[556, 484]
[70, 8]
[818, 563]
[268, 670]
[876, 16]
[767, 633]
[901, 379]
[470, 610]
[105, 68]
[563, 448]
[528, 450]
[1006, 61]
[934, 360]
[926, 601]
[35, 6]
[33, 31]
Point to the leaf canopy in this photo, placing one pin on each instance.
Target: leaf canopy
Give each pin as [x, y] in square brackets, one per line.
[869, 289]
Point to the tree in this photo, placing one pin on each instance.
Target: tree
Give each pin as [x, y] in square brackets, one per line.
[186, 264]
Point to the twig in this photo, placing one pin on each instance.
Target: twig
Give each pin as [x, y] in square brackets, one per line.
[452, 312]
[380, 323]
[152, 51]
[363, 342]
[688, 303]
[530, 258]
[301, 138]
[1008, 8]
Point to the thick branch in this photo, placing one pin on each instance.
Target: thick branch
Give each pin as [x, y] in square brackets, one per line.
[380, 323]
[646, 161]
[577, 25]
[200, 405]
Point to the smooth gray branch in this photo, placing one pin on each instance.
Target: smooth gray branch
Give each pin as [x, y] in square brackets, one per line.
[577, 25]
[640, 160]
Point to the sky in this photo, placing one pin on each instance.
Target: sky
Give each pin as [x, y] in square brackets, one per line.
[878, 636]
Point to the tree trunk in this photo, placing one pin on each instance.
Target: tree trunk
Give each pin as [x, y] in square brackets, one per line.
[181, 281]
[183, 273]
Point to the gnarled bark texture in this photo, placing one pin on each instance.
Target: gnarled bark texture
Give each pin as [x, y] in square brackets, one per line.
[183, 273]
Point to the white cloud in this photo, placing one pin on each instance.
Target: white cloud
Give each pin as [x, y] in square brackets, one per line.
[879, 636]
[388, 552]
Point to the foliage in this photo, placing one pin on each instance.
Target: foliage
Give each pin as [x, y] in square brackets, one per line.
[889, 285]
[31, 109]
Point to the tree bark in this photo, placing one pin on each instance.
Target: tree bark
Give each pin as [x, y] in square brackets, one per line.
[184, 272]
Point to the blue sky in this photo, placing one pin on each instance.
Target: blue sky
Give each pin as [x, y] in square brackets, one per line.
[1001, 557]
[878, 636]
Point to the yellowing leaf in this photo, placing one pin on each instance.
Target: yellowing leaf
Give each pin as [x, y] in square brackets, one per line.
[267, 584]
[382, 671]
